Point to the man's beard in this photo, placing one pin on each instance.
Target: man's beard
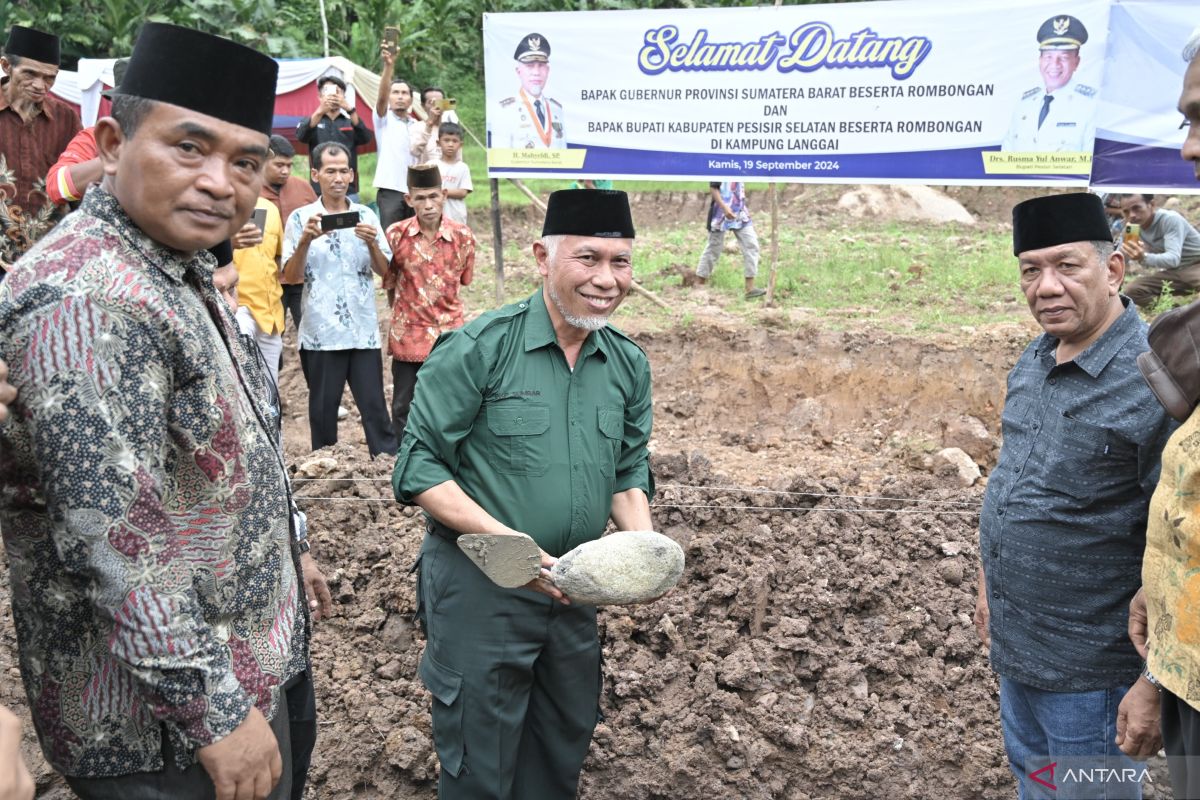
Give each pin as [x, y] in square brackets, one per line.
[589, 323]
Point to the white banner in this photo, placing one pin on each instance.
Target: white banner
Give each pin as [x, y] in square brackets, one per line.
[1139, 130]
[906, 91]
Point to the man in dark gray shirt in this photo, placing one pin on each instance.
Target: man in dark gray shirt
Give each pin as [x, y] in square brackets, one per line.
[1063, 522]
[1169, 246]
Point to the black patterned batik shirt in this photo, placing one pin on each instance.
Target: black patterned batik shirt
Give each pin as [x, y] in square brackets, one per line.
[143, 502]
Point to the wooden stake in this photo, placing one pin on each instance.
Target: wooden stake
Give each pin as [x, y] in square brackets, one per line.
[770, 298]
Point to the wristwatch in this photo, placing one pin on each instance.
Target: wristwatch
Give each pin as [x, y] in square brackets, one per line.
[303, 546]
[1150, 679]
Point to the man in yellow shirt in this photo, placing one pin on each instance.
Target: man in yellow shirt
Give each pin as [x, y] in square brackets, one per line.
[257, 255]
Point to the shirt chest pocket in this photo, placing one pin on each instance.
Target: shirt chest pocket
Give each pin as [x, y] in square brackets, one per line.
[611, 421]
[520, 437]
[1090, 461]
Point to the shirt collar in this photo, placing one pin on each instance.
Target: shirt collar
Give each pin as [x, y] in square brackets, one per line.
[1095, 358]
[101, 204]
[539, 329]
[47, 105]
[443, 231]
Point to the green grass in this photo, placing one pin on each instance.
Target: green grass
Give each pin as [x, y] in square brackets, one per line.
[911, 277]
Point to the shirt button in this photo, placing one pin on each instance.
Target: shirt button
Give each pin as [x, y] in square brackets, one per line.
[995, 552]
[1053, 381]
[1036, 425]
[1000, 512]
[995, 594]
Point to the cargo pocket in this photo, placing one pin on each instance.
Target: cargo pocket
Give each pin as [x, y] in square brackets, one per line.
[611, 420]
[446, 687]
[519, 438]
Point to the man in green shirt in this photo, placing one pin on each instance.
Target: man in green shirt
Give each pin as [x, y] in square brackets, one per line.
[533, 418]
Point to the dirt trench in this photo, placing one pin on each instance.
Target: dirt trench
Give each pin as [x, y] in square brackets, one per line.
[820, 644]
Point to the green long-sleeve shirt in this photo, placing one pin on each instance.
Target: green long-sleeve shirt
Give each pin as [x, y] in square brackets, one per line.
[541, 447]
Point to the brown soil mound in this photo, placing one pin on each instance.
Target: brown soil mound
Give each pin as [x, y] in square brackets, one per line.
[820, 644]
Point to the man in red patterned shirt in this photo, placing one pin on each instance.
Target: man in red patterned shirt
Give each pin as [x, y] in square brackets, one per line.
[34, 128]
[431, 257]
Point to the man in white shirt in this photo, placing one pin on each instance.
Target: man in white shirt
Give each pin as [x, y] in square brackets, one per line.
[391, 119]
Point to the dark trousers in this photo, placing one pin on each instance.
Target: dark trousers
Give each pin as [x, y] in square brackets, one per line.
[328, 373]
[392, 207]
[293, 294]
[1181, 740]
[404, 382]
[1146, 290]
[296, 736]
[515, 679]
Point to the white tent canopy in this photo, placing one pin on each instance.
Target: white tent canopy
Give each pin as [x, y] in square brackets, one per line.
[83, 88]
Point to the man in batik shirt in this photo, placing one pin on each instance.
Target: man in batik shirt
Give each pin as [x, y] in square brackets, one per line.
[431, 257]
[145, 505]
[34, 128]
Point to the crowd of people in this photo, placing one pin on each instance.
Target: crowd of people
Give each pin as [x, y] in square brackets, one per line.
[163, 582]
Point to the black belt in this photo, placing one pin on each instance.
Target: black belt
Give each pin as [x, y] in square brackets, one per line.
[438, 529]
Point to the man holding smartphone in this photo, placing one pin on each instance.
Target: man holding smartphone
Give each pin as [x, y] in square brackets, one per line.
[334, 120]
[335, 245]
[393, 126]
[425, 147]
[257, 251]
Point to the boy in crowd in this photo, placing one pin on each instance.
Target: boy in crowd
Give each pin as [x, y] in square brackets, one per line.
[456, 175]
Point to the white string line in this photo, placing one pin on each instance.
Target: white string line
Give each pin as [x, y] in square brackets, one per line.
[736, 490]
[300, 498]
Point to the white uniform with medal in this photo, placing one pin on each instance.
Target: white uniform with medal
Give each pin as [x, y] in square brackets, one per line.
[514, 123]
[1069, 125]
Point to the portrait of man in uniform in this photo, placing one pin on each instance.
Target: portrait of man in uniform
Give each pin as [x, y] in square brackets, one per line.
[529, 119]
[1057, 115]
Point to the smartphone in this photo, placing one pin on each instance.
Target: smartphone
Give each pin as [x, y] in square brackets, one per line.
[333, 222]
[329, 89]
[260, 219]
[391, 37]
[1133, 232]
[447, 103]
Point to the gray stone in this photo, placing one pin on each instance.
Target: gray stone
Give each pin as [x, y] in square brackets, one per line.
[623, 567]
[972, 437]
[953, 461]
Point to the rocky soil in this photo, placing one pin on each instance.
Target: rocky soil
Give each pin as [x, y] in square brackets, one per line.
[820, 643]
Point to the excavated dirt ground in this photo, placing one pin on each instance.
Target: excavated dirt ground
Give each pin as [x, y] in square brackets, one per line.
[820, 644]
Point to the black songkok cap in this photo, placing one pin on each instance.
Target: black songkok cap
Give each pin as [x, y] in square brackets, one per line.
[35, 45]
[1059, 219]
[589, 212]
[203, 73]
[424, 176]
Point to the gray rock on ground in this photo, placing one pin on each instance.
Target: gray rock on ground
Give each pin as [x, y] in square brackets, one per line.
[623, 567]
[952, 461]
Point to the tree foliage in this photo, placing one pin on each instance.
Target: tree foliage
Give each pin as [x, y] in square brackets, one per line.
[441, 40]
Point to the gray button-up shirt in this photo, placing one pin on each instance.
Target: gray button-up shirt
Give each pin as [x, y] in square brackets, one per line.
[1064, 518]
